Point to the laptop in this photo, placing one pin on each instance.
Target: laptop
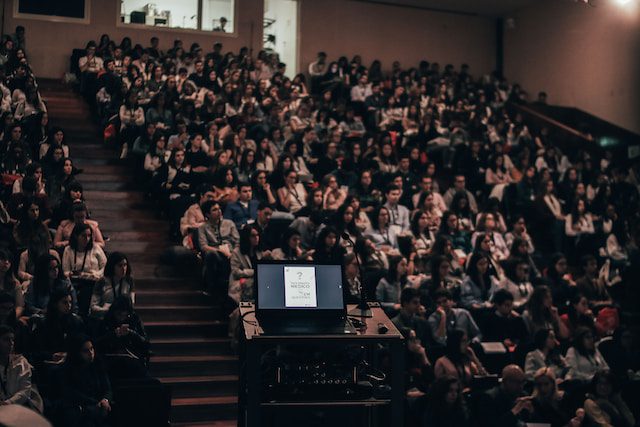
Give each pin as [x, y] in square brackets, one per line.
[299, 298]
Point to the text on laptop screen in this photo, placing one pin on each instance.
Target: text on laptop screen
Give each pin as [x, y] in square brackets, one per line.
[299, 286]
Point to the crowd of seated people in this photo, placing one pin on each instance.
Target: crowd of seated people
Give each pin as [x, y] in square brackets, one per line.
[471, 225]
[62, 288]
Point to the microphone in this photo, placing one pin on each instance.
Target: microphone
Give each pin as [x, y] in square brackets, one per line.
[346, 237]
[362, 309]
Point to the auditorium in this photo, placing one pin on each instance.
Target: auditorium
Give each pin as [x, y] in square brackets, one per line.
[322, 213]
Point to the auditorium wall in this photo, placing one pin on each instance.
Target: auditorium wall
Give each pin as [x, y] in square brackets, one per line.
[339, 27]
[49, 44]
[582, 56]
[388, 33]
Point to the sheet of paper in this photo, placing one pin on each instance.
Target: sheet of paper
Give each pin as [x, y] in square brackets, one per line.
[300, 287]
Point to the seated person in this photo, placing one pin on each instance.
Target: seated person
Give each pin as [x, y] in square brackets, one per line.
[123, 340]
[291, 248]
[398, 214]
[517, 282]
[8, 282]
[218, 238]
[474, 291]
[447, 319]
[79, 215]
[605, 405]
[390, 287]
[591, 285]
[503, 324]
[382, 233]
[86, 390]
[353, 281]
[82, 259]
[242, 262]
[505, 405]
[545, 355]
[292, 196]
[460, 360]
[550, 406]
[17, 388]
[446, 405]
[192, 219]
[48, 278]
[245, 209]
[117, 281]
[411, 315]
[583, 358]
[29, 258]
[50, 335]
[579, 314]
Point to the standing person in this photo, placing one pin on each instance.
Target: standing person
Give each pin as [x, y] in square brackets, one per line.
[218, 238]
[17, 388]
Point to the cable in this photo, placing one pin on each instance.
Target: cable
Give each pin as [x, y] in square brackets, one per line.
[249, 322]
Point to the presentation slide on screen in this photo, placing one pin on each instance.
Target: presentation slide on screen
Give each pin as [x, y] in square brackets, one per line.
[300, 287]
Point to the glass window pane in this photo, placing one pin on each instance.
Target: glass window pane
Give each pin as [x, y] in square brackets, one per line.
[215, 13]
[161, 13]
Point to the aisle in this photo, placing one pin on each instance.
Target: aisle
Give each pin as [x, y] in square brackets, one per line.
[190, 347]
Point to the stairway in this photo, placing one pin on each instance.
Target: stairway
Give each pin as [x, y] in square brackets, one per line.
[190, 345]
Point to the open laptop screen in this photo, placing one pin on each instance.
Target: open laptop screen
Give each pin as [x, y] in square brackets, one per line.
[293, 286]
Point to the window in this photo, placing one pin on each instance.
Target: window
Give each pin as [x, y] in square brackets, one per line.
[205, 15]
[215, 11]
[64, 11]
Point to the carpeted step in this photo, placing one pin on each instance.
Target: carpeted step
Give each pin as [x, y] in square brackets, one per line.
[186, 329]
[204, 408]
[191, 346]
[167, 366]
[202, 386]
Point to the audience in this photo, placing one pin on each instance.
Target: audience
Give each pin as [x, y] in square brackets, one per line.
[422, 168]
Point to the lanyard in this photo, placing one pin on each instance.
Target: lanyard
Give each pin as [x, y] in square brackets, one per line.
[84, 259]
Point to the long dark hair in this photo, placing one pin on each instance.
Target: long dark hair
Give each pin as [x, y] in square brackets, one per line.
[286, 236]
[73, 239]
[113, 260]
[474, 273]
[9, 277]
[40, 281]
[339, 219]
[374, 218]
[52, 309]
[578, 341]
[437, 394]
[452, 351]
[392, 272]
[245, 238]
[535, 305]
